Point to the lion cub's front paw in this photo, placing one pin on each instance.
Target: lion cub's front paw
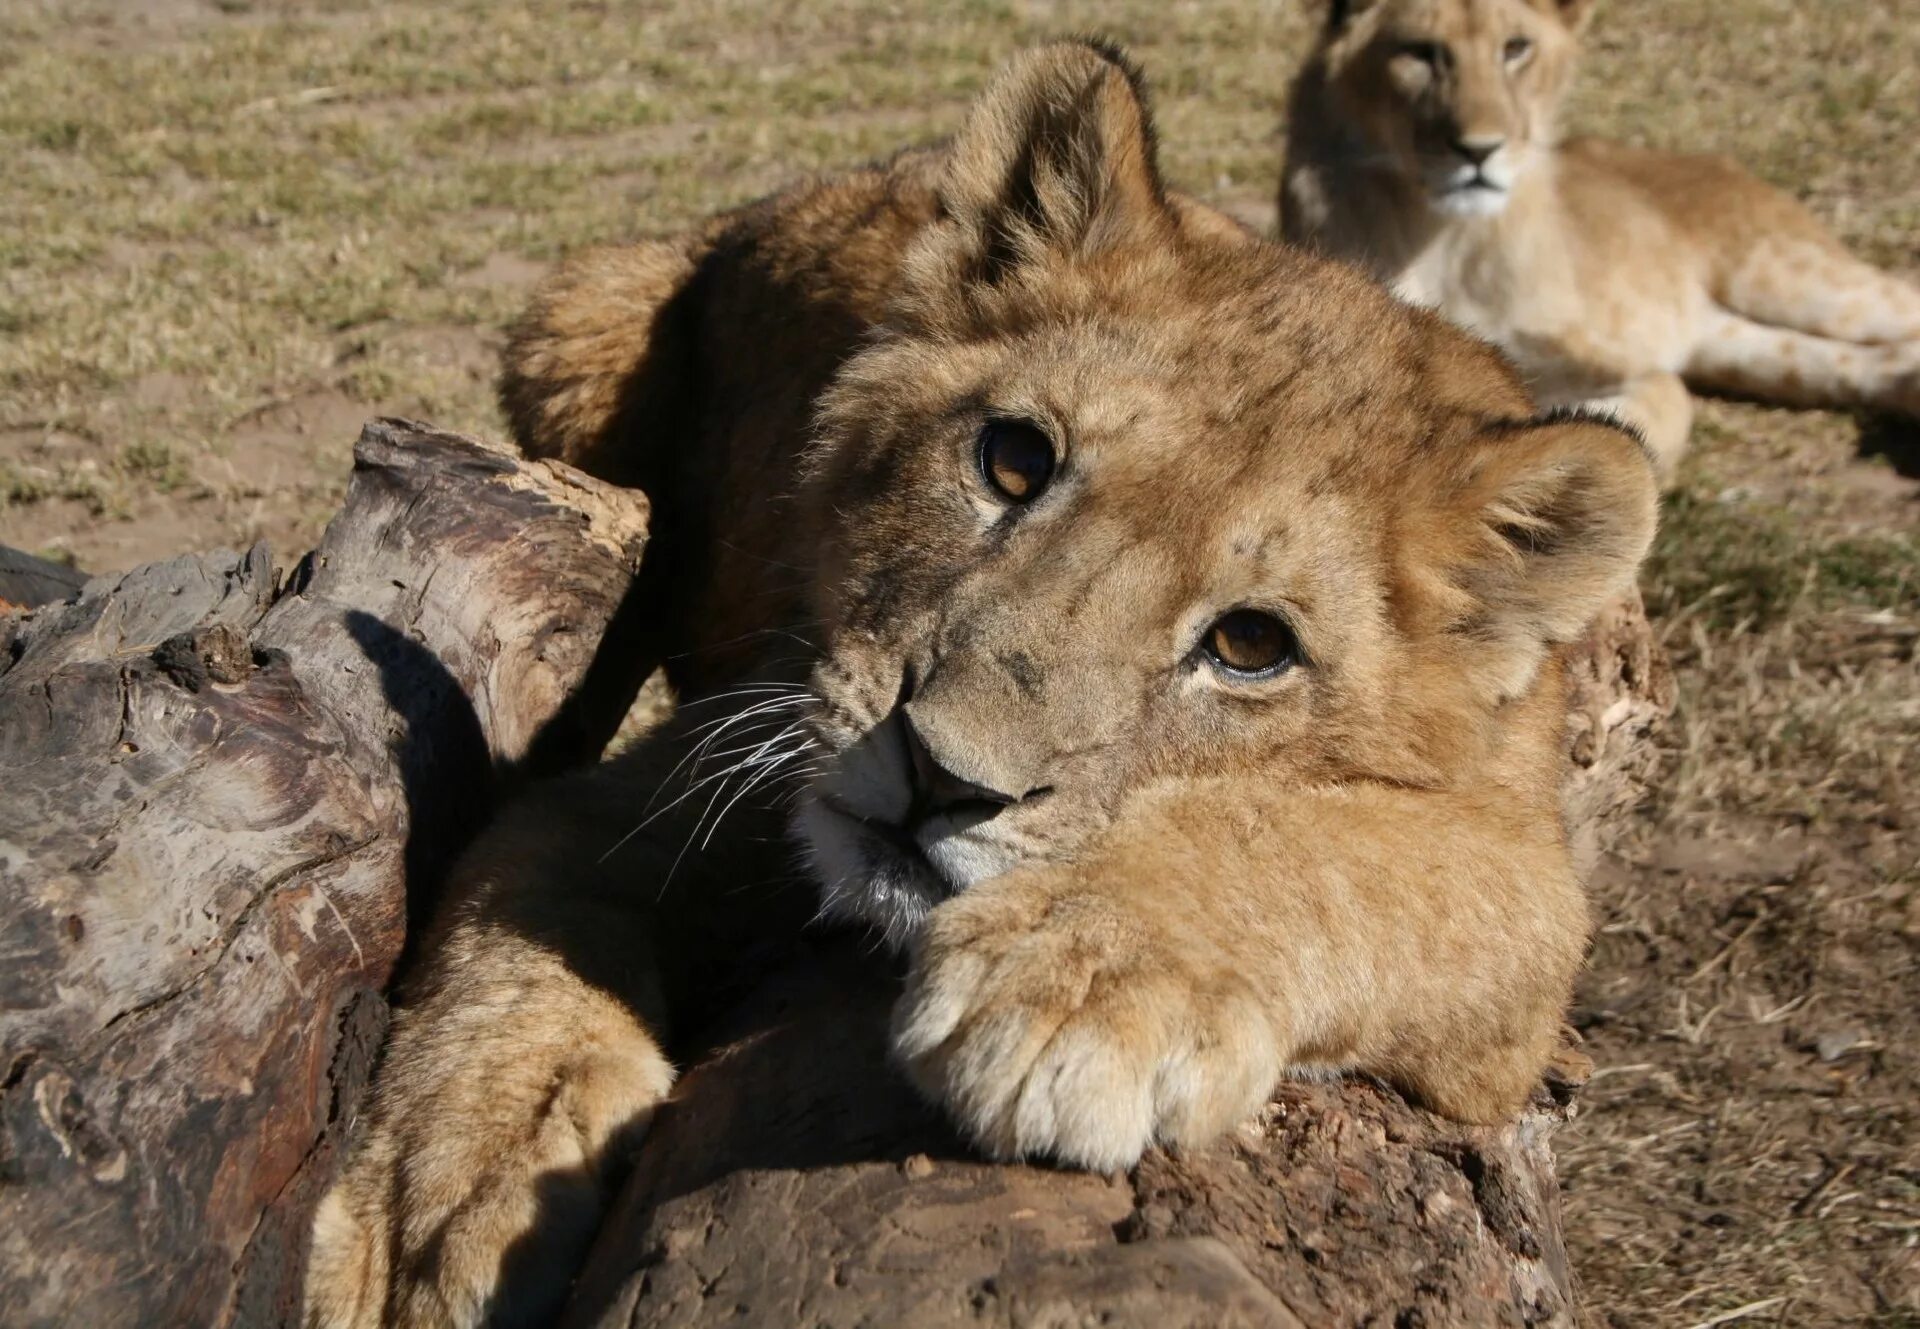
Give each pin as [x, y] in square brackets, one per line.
[480, 1183]
[1069, 1028]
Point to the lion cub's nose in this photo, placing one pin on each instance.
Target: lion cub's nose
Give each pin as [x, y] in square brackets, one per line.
[938, 788]
[1478, 148]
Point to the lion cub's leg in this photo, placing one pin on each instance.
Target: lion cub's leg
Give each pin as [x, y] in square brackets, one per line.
[525, 1060]
[1752, 359]
[508, 1099]
[1156, 989]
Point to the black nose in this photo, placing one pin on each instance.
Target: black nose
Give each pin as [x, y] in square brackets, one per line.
[938, 790]
[1478, 150]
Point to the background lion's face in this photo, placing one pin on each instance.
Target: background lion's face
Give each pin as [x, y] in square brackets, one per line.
[1457, 96]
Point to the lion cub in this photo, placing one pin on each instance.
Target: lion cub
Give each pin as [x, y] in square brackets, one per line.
[1152, 631]
[1420, 146]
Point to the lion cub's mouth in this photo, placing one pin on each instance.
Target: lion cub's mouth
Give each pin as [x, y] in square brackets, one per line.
[897, 838]
[870, 871]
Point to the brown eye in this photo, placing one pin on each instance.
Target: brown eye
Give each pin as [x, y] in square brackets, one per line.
[1517, 49]
[1427, 53]
[1250, 642]
[1016, 459]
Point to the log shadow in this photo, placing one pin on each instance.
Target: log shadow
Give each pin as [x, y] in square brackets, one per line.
[633, 645]
[798, 1079]
[450, 778]
[445, 763]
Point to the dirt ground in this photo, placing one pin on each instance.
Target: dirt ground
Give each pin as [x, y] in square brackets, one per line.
[232, 229]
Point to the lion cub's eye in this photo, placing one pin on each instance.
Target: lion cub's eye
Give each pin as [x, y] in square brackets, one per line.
[1249, 642]
[1517, 49]
[1427, 53]
[1016, 459]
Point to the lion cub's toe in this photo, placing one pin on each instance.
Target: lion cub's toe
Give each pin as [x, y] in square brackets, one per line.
[1079, 1032]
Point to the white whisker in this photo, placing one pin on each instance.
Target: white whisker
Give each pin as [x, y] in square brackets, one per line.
[764, 712]
[767, 769]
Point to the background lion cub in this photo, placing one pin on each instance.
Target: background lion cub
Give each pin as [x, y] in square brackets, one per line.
[1154, 630]
[1420, 145]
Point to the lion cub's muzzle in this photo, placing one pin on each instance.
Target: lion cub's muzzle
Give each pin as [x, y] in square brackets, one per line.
[954, 786]
[945, 793]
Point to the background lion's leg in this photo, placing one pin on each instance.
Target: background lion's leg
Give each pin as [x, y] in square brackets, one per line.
[1740, 356]
[1808, 283]
[1661, 408]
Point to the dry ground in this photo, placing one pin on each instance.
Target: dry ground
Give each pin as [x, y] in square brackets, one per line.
[231, 229]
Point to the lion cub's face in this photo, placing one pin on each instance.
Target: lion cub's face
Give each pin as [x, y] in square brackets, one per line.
[1457, 96]
[1111, 501]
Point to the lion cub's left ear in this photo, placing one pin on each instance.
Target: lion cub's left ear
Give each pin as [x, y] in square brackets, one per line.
[1056, 159]
[1549, 520]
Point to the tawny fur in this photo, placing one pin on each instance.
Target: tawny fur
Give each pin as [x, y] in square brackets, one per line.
[1198, 881]
[1610, 273]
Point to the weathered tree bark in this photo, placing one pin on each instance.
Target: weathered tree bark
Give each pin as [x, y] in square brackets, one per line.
[214, 791]
[26, 581]
[794, 1180]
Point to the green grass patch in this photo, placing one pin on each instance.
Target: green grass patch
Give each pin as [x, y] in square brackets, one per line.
[1737, 564]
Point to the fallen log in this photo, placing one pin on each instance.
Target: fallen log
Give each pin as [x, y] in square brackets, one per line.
[27, 580]
[794, 1180]
[215, 787]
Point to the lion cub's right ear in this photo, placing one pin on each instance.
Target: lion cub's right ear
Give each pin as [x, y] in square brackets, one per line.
[1056, 160]
[1534, 527]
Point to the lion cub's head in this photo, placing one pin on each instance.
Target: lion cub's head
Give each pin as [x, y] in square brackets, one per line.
[1456, 96]
[1117, 497]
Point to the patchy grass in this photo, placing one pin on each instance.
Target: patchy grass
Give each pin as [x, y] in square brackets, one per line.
[254, 198]
[1754, 1135]
[1742, 565]
[232, 229]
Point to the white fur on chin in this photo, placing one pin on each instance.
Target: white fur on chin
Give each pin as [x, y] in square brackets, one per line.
[861, 881]
[1475, 202]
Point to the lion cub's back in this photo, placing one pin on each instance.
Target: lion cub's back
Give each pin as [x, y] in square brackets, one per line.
[671, 341]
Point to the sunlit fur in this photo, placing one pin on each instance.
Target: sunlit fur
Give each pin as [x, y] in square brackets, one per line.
[1199, 881]
[1615, 276]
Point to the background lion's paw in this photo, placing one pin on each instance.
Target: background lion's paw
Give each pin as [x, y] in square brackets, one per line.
[1072, 1030]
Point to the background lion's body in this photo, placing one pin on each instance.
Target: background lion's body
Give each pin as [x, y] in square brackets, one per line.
[1610, 273]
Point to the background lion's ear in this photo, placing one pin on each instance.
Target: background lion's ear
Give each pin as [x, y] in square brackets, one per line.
[1544, 523]
[1057, 157]
[1573, 13]
[1341, 12]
